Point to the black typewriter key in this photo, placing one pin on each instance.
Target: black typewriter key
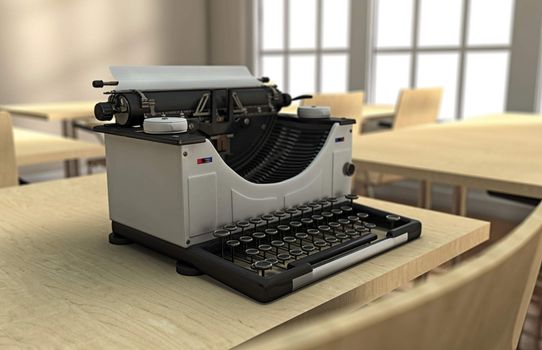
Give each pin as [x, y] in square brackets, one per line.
[283, 257]
[337, 212]
[273, 261]
[267, 218]
[279, 214]
[296, 252]
[262, 266]
[362, 216]
[334, 226]
[351, 197]
[314, 206]
[313, 233]
[307, 222]
[232, 243]
[289, 240]
[295, 225]
[292, 212]
[392, 220]
[251, 253]
[283, 230]
[243, 225]
[245, 240]
[303, 209]
[317, 219]
[320, 244]
[258, 236]
[301, 236]
[264, 248]
[308, 248]
[277, 244]
[230, 228]
[331, 240]
[343, 222]
[332, 200]
[256, 221]
[353, 219]
[341, 236]
[370, 226]
[346, 209]
[361, 230]
[324, 203]
[351, 232]
[221, 234]
[327, 215]
[271, 233]
[324, 229]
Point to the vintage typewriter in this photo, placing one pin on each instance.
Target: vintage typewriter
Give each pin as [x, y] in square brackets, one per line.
[202, 167]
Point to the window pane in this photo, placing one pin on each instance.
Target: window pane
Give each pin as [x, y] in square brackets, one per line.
[394, 23]
[273, 68]
[391, 75]
[302, 24]
[440, 22]
[272, 24]
[440, 70]
[490, 22]
[336, 23]
[302, 74]
[334, 72]
[485, 83]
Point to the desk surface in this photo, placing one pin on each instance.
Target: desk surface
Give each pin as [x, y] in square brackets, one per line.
[498, 152]
[53, 111]
[33, 147]
[63, 285]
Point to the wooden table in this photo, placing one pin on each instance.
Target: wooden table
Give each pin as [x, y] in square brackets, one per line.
[63, 285]
[497, 152]
[33, 147]
[65, 112]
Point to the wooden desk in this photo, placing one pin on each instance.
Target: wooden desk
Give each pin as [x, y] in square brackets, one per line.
[33, 147]
[65, 112]
[498, 152]
[63, 285]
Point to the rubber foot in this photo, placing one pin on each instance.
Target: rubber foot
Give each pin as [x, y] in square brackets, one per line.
[117, 239]
[187, 269]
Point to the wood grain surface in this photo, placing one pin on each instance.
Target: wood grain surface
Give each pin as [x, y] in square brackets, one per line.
[63, 285]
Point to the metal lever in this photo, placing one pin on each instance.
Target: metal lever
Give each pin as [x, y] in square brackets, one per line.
[101, 83]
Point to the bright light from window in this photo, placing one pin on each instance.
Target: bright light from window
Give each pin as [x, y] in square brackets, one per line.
[440, 22]
[302, 24]
[490, 22]
[336, 23]
[392, 75]
[302, 74]
[272, 24]
[273, 68]
[394, 23]
[334, 73]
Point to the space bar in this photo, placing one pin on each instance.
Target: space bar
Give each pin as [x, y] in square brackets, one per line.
[347, 260]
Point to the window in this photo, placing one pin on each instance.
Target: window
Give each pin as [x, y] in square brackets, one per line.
[303, 45]
[460, 45]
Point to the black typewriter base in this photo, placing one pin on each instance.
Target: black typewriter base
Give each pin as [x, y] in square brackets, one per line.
[206, 258]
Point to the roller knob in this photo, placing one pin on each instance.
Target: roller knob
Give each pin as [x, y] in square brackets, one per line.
[103, 111]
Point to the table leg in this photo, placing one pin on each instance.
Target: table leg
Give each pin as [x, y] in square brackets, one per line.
[460, 200]
[71, 167]
[425, 195]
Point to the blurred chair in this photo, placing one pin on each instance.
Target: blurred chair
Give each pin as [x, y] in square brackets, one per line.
[414, 107]
[8, 163]
[88, 126]
[348, 104]
[480, 304]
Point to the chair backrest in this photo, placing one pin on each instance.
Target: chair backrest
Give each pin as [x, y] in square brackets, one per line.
[8, 165]
[348, 104]
[417, 106]
[481, 304]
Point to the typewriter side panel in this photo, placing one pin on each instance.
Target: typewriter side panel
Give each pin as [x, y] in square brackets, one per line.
[144, 188]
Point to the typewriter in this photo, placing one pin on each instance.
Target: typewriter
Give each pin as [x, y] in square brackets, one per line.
[203, 167]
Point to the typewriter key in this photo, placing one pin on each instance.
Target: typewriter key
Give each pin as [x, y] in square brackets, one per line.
[334, 226]
[292, 212]
[232, 243]
[307, 248]
[230, 228]
[351, 232]
[259, 236]
[346, 209]
[289, 240]
[301, 236]
[313, 233]
[320, 244]
[221, 234]
[362, 216]
[392, 220]
[264, 248]
[342, 236]
[331, 240]
[277, 244]
[267, 218]
[296, 252]
[352, 197]
[353, 219]
[279, 214]
[295, 225]
[245, 240]
[283, 230]
[361, 229]
[251, 253]
[262, 266]
[370, 226]
[271, 232]
[324, 203]
[337, 212]
[343, 223]
[273, 261]
[317, 219]
[243, 225]
[303, 209]
[327, 215]
[314, 206]
[332, 200]
[283, 257]
[255, 221]
[307, 222]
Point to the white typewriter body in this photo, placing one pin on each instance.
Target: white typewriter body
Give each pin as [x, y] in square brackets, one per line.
[181, 193]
